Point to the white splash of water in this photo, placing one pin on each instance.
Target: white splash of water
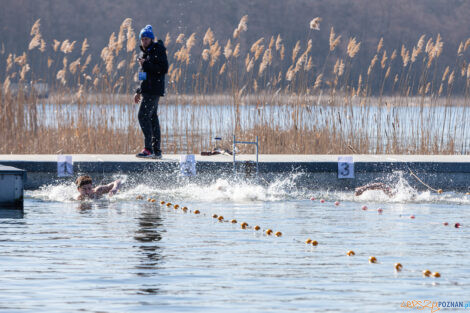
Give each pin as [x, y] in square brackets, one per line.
[60, 193]
[228, 190]
[65, 192]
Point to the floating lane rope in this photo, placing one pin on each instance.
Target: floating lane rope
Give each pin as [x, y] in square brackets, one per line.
[439, 191]
[372, 259]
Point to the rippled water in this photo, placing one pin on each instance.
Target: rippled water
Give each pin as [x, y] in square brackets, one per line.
[128, 255]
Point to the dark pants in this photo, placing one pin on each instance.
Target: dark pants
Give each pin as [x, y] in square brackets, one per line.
[148, 120]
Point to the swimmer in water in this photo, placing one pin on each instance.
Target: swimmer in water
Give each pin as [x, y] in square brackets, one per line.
[375, 186]
[85, 188]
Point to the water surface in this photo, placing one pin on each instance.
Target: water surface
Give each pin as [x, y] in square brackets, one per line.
[127, 255]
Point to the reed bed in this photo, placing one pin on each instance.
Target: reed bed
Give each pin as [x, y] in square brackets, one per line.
[402, 102]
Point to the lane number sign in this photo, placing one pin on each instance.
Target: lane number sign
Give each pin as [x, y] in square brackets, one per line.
[345, 167]
[188, 165]
[64, 165]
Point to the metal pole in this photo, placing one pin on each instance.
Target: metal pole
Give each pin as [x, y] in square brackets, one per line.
[233, 152]
[257, 167]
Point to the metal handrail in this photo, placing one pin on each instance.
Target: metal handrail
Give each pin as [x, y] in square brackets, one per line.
[248, 143]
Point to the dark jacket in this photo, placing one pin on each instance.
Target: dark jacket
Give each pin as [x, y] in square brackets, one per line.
[156, 66]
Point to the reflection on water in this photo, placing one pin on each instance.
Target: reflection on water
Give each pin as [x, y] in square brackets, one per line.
[148, 234]
[11, 213]
[84, 206]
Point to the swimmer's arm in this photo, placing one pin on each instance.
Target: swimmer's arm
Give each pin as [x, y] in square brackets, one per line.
[374, 186]
[109, 188]
[116, 186]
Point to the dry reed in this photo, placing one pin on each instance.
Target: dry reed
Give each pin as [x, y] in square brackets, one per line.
[293, 106]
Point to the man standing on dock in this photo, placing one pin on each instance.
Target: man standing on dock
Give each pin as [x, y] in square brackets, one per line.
[153, 67]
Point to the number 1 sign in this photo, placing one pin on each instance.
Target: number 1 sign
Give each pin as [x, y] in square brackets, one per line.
[64, 165]
[345, 167]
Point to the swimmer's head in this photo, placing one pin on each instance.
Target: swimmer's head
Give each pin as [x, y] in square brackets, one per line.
[84, 185]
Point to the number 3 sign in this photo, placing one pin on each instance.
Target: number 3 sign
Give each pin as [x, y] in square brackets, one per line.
[345, 167]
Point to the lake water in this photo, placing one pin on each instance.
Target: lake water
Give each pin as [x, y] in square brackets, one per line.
[126, 255]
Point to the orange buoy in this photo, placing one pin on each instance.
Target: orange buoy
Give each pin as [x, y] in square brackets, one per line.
[314, 243]
[308, 241]
[233, 221]
[278, 234]
[426, 273]
[221, 218]
[214, 216]
[184, 209]
[398, 267]
[162, 202]
[244, 225]
[196, 212]
[372, 259]
[257, 227]
[176, 206]
[350, 253]
[436, 274]
[269, 232]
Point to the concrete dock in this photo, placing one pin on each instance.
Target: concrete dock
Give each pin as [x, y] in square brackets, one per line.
[447, 172]
[12, 181]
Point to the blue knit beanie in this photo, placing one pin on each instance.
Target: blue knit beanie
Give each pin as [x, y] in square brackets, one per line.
[147, 32]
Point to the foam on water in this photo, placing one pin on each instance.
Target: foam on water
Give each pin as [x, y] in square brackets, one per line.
[405, 193]
[229, 190]
[224, 189]
[65, 192]
[60, 193]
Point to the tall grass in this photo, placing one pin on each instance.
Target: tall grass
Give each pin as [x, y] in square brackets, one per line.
[402, 102]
